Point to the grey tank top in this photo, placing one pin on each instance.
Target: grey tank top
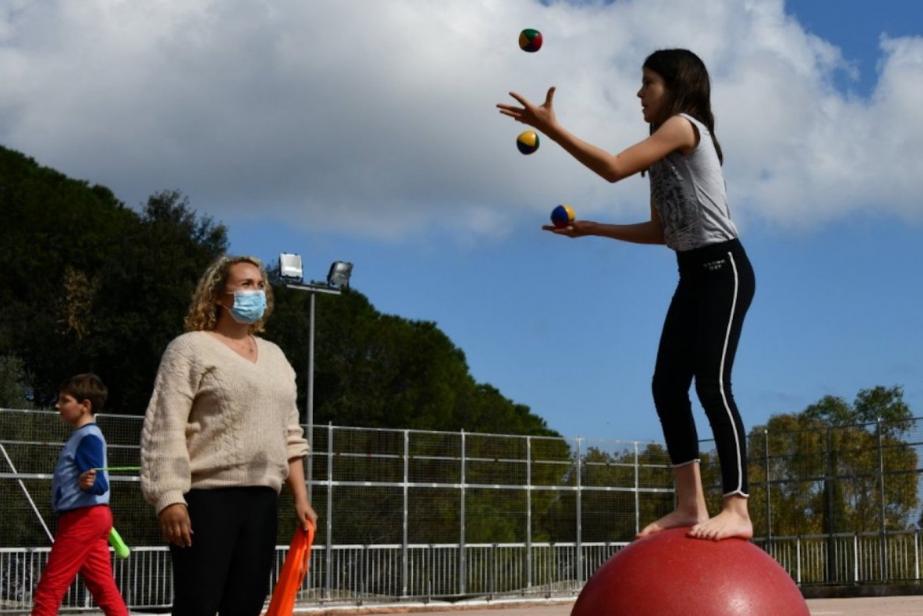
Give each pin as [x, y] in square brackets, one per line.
[689, 194]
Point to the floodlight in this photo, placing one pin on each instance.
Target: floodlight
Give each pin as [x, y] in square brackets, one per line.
[291, 272]
[290, 266]
[339, 274]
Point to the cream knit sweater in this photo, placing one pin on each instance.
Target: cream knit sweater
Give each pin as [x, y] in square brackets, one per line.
[216, 419]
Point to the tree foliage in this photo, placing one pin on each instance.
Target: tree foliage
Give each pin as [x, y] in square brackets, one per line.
[97, 286]
[13, 378]
[94, 285]
[379, 370]
[832, 466]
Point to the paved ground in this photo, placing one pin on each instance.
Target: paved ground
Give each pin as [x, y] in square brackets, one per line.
[875, 606]
[872, 606]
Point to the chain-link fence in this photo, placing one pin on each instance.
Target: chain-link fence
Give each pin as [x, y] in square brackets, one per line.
[410, 513]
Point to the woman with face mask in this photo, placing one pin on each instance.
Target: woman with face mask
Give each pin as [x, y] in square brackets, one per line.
[221, 435]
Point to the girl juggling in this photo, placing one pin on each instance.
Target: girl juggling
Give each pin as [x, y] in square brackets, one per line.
[690, 214]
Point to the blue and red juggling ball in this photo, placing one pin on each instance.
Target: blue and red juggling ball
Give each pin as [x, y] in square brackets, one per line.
[562, 216]
[530, 40]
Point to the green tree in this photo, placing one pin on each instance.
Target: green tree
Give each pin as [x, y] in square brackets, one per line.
[13, 389]
[95, 286]
[96, 282]
[608, 501]
[146, 292]
[824, 465]
[378, 370]
[101, 287]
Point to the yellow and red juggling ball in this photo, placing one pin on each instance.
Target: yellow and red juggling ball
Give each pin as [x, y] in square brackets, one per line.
[562, 216]
[527, 141]
[530, 40]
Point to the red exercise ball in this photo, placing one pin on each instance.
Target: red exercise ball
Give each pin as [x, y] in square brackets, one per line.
[670, 574]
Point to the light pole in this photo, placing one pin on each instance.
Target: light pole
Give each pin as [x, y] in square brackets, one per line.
[337, 279]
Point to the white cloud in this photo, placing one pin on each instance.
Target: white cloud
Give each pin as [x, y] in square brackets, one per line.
[379, 116]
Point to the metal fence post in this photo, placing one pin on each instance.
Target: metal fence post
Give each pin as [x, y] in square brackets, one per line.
[404, 551]
[309, 411]
[637, 490]
[829, 529]
[768, 488]
[855, 558]
[493, 572]
[916, 555]
[579, 542]
[528, 512]
[882, 550]
[462, 563]
[328, 557]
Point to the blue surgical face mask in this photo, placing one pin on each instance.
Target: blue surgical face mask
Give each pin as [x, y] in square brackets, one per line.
[249, 306]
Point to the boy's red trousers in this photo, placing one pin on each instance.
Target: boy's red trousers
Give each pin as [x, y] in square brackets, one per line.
[81, 545]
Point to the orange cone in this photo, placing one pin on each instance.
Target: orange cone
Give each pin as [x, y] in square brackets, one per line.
[292, 575]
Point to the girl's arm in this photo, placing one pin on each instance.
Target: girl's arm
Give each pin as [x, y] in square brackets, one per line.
[674, 134]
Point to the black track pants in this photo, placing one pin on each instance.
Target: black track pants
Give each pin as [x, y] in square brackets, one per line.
[699, 340]
[227, 568]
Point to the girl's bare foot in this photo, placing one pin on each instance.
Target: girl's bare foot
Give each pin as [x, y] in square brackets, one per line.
[733, 521]
[674, 520]
[690, 501]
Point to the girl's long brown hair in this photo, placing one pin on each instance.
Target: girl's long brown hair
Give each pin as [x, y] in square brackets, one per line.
[688, 87]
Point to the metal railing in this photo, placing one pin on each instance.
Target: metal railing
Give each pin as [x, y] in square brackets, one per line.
[845, 559]
[373, 573]
[418, 514]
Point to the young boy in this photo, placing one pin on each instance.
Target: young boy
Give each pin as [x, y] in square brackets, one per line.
[80, 497]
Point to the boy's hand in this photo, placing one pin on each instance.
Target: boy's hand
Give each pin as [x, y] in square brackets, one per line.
[175, 525]
[87, 479]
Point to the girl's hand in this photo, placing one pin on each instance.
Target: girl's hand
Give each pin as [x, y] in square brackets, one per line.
[540, 116]
[305, 513]
[175, 525]
[87, 479]
[578, 228]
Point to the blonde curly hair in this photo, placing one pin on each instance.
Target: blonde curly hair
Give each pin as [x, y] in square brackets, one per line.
[203, 310]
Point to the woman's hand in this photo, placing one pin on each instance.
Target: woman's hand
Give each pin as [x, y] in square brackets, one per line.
[305, 513]
[175, 525]
[296, 483]
[87, 479]
[540, 116]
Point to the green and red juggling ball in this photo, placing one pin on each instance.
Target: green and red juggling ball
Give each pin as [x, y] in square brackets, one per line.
[530, 40]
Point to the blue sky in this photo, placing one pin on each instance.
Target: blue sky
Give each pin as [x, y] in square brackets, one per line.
[570, 327]
[325, 130]
[855, 26]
